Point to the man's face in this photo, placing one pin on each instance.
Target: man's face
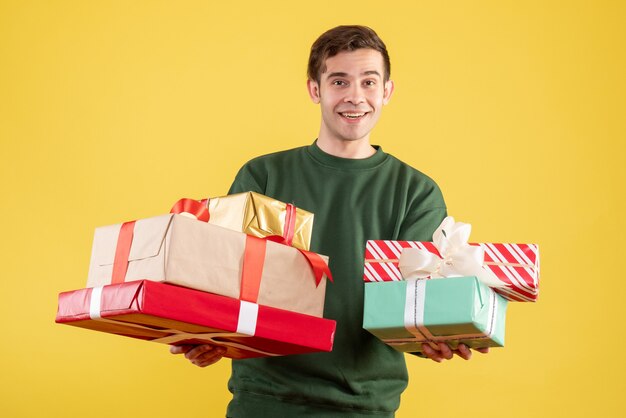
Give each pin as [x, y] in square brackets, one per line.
[351, 94]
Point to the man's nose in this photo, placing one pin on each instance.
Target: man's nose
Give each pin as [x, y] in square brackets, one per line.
[354, 95]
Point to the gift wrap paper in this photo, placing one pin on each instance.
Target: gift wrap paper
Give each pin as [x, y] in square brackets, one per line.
[261, 216]
[183, 251]
[405, 314]
[175, 315]
[515, 265]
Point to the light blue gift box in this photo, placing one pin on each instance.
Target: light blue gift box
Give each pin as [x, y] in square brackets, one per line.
[405, 314]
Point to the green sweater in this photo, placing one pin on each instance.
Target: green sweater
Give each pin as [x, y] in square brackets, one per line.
[353, 200]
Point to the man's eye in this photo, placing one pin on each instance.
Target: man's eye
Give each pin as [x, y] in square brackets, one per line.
[339, 83]
[370, 83]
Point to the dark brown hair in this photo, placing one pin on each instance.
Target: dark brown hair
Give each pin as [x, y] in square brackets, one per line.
[341, 39]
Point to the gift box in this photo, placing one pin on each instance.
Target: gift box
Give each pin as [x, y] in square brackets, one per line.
[261, 216]
[179, 250]
[515, 265]
[406, 314]
[176, 315]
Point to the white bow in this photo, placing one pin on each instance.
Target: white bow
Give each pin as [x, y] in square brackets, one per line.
[459, 258]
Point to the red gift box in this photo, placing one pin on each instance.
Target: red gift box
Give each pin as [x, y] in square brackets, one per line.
[176, 315]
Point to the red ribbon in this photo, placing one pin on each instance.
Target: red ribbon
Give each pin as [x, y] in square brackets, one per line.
[254, 260]
[318, 265]
[192, 207]
[290, 224]
[289, 228]
[252, 269]
[122, 252]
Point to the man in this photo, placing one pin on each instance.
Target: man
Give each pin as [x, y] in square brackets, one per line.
[357, 192]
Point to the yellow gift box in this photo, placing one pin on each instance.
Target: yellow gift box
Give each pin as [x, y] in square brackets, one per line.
[262, 216]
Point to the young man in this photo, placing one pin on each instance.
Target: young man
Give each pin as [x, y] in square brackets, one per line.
[357, 192]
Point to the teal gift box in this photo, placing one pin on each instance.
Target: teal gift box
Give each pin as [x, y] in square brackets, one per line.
[405, 314]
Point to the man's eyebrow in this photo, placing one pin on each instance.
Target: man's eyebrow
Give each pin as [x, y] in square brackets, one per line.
[342, 74]
[337, 74]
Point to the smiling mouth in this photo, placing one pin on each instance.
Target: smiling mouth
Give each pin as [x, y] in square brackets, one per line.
[353, 115]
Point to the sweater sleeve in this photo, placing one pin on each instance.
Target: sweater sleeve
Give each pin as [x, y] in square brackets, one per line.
[247, 180]
[424, 215]
[422, 225]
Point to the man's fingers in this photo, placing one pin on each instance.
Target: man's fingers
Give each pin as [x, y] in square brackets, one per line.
[209, 357]
[445, 350]
[180, 349]
[201, 355]
[203, 350]
[464, 352]
[431, 353]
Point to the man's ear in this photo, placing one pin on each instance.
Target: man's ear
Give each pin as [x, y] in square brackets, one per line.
[389, 86]
[314, 90]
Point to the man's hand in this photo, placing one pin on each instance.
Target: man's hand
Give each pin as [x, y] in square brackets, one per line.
[201, 355]
[445, 352]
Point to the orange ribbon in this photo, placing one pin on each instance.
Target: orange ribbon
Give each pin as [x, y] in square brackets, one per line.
[318, 265]
[290, 224]
[254, 260]
[289, 228]
[122, 252]
[252, 269]
[192, 207]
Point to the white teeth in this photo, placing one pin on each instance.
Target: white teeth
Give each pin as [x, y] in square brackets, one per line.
[352, 115]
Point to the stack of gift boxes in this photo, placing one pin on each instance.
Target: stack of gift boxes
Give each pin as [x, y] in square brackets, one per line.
[447, 290]
[233, 271]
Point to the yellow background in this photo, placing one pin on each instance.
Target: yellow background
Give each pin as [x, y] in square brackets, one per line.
[111, 111]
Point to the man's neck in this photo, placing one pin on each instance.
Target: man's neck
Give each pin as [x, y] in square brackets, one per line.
[358, 149]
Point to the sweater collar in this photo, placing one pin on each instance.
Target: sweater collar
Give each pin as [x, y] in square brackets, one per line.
[346, 163]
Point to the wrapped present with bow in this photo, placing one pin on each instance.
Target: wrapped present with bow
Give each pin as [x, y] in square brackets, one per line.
[261, 216]
[181, 248]
[445, 291]
[176, 315]
[512, 270]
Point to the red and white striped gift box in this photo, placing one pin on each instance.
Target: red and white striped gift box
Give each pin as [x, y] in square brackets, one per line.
[516, 265]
